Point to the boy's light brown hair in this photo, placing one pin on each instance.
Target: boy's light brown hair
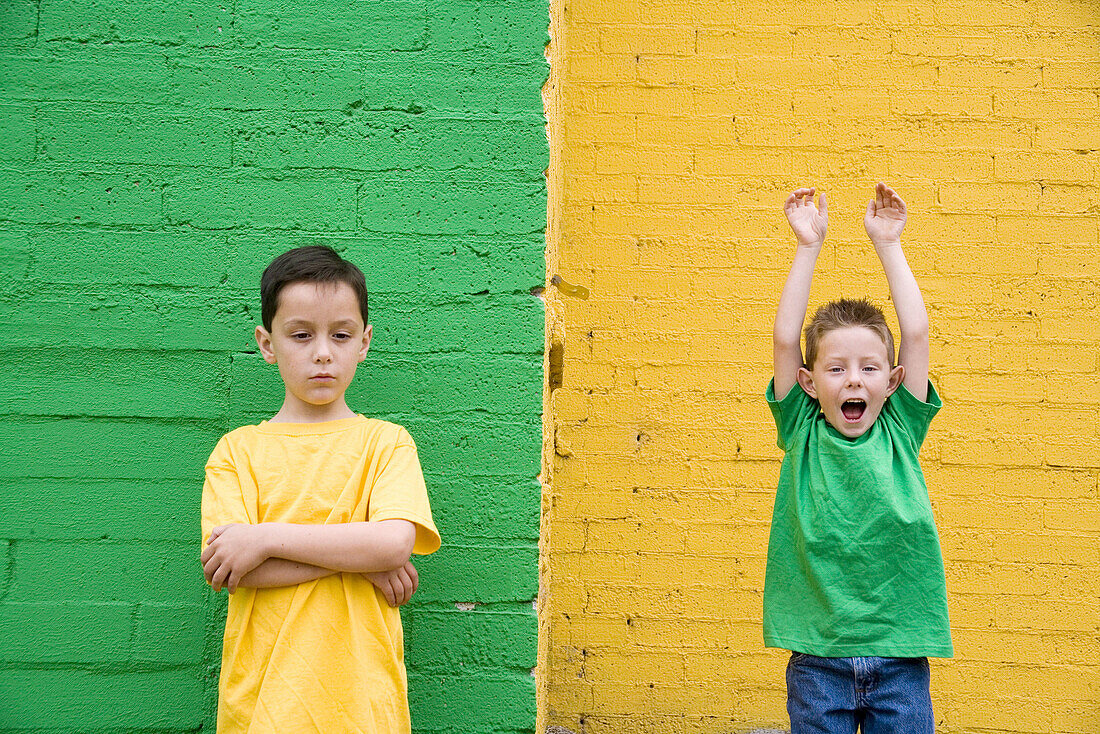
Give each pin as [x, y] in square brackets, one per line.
[841, 314]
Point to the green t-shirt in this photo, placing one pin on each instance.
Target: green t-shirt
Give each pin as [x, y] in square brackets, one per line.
[854, 562]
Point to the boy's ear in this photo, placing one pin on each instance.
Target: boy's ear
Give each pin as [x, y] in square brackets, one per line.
[366, 343]
[806, 380]
[897, 374]
[263, 341]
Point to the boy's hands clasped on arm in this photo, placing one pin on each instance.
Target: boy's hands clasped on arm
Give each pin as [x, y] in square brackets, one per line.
[397, 585]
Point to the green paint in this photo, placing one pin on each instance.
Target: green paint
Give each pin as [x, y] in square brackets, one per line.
[156, 157]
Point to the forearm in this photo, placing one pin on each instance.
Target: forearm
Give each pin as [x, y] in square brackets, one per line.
[791, 312]
[357, 547]
[281, 572]
[905, 292]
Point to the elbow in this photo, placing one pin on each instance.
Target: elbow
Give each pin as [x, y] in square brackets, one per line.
[399, 544]
[915, 333]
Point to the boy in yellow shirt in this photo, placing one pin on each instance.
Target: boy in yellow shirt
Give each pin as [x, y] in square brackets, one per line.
[310, 519]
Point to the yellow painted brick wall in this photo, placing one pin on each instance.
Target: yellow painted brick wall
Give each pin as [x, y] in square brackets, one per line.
[677, 128]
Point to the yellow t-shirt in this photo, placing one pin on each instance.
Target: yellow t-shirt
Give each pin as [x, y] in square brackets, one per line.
[326, 655]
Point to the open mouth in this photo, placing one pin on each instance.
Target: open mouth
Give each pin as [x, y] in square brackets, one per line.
[853, 410]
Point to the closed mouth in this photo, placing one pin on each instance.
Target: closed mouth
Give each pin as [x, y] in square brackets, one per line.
[853, 410]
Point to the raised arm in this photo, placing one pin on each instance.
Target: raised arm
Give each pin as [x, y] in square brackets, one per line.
[884, 221]
[234, 551]
[809, 225]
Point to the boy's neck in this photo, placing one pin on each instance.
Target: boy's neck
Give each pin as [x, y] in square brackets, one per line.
[292, 412]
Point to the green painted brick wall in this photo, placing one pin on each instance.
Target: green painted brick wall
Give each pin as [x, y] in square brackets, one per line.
[156, 155]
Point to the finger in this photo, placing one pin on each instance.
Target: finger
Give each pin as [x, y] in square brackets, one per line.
[390, 593]
[232, 581]
[406, 594]
[218, 581]
[822, 206]
[413, 575]
[406, 586]
[205, 555]
[871, 208]
[211, 565]
[790, 202]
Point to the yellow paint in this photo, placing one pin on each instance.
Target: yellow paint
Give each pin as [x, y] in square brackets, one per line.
[677, 127]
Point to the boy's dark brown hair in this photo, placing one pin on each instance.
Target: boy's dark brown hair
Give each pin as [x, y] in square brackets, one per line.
[312, 264]
[841, 314]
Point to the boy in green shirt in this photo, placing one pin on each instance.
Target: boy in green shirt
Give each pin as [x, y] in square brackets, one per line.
[855, 582]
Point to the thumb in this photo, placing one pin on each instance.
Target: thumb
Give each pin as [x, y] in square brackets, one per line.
[824, 206]
[871, 208]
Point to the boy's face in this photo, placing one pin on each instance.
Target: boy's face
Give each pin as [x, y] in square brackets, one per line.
[851, 378]
[317, 339]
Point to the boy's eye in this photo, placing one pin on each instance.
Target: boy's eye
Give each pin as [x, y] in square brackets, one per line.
[341, 336]
[870, 368]
[299, 335]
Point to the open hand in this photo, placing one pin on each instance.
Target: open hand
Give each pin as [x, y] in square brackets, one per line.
[808, 222]
[231, 552]
[397, 585]
[885, 217]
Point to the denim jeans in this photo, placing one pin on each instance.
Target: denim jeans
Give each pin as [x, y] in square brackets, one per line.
[877, 695]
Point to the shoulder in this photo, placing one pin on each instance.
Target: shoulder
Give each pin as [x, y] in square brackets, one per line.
[384, 429]
[233, 443]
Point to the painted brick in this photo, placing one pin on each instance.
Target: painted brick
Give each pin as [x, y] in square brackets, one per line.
[156, 159]
[395, 25]
[57, 197]
[95, 509]
[384, 141]
[17, 125]
[36, 633]
[669, 210]
[249, 201]
[489, 639]
[478, 574]
[455, 703]
[504, 28]
[106, 571]
[74, 700]
[172, 23]
[104, 383]
[450, 206]
[74, 135]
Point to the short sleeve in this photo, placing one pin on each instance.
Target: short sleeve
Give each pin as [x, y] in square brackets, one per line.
[791, 412]
[399, 493]
[912, 414]
[222, 497]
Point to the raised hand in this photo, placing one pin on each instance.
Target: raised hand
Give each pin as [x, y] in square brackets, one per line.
[885, 217]
[397, 585]
[807, 221]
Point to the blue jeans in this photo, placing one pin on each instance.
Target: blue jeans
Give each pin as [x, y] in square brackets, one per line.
[877, 695]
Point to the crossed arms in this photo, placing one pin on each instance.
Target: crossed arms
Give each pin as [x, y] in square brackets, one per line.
[283, 554]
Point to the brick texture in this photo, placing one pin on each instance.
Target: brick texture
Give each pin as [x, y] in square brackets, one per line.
[680, 128]
[156, 156]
